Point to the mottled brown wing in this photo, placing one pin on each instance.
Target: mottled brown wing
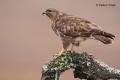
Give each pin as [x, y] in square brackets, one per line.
[75, 27]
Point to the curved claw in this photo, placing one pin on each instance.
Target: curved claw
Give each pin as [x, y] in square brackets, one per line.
[60, 53]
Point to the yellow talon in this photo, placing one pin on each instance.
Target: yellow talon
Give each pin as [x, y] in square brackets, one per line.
[60, 52]
[70, 48]
[63, 50]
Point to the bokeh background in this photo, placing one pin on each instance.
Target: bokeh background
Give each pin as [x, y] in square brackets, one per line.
[27, 40]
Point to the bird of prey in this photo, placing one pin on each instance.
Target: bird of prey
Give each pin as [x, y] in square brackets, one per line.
[73, 30]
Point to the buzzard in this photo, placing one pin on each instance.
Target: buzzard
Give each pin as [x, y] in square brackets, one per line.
[73, 30]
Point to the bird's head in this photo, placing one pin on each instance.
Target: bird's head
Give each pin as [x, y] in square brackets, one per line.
[51, 13]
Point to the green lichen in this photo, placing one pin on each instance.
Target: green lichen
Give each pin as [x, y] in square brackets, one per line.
[84, 67]
[61, 63]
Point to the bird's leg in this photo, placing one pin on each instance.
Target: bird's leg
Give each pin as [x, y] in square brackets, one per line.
[71, 48]
[60, 52]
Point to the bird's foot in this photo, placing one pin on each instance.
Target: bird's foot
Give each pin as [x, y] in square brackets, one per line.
[71, 51]
[62, 52]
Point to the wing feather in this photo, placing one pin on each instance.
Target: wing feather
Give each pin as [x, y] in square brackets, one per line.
[75, 27]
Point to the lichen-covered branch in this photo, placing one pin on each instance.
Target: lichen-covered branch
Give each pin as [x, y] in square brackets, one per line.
[85, 67]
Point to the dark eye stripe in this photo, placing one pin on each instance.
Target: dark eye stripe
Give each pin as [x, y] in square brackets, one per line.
[49, 10]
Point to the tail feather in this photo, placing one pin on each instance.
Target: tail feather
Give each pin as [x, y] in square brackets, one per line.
[108, 35]
[104, 37]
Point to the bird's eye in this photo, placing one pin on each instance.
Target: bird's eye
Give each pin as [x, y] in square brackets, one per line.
[49, 10]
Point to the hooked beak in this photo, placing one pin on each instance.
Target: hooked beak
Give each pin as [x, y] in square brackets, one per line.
[43, 13]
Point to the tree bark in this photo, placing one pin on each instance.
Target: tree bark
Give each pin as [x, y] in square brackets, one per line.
[84, 66]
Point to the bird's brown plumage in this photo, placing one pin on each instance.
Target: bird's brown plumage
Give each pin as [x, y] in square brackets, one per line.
[70, 28]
